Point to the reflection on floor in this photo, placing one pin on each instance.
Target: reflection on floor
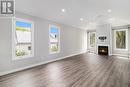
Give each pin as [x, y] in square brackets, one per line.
[85, 70]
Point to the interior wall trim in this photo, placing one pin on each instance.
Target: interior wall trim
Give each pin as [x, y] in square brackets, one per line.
[41, 63]
[121, 27]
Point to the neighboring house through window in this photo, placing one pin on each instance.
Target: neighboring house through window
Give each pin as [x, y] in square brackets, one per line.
[23, 38]
[54, 35]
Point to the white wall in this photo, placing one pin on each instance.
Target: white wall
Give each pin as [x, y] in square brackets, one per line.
[104, 30]
[72, 41]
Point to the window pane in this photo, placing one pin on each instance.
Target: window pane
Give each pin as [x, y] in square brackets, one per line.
[121, 39]
[23, 39]
[54, 47]
[92, 39]
[54, 39]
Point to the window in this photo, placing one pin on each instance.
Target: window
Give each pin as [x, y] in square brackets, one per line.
[121, 39]
[92, 39]
[54, 35]
[23, 38]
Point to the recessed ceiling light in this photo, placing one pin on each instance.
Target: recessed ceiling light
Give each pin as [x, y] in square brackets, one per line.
[81, 19]
[63, 10]
[109, 11]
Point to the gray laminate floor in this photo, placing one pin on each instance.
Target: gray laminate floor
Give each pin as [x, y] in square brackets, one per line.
[86, 70]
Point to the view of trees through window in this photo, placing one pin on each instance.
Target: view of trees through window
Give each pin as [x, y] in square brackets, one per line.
[54, 39]
[92, 39]
[23, 39]
[121, 39]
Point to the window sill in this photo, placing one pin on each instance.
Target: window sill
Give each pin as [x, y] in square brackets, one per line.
[21, 58]
[54, 52]
[121, 49]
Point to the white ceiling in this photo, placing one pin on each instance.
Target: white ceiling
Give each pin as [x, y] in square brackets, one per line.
[92, 11]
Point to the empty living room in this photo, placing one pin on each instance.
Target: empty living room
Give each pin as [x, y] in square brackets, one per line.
[64, 43]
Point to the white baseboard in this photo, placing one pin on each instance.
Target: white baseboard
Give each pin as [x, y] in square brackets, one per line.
[121, 55]
[41, 63]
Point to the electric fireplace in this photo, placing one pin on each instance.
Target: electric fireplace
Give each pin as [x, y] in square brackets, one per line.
[103, 50]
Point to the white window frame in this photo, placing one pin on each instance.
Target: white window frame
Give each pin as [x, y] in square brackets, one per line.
[13, 38]
[118, 49]
[50, 52]
[89, 39]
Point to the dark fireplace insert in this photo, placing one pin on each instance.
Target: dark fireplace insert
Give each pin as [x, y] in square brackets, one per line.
[103, 50]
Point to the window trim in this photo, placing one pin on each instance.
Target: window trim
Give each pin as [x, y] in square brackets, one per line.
[89, 39]
[13, 38]
[118, 49]
[58, 39]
